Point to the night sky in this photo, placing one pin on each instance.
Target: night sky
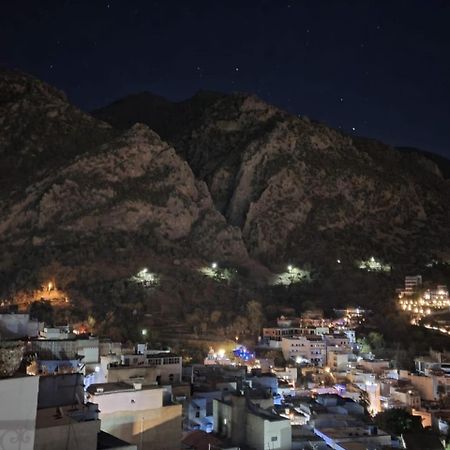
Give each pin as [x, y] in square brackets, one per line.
[375, 68]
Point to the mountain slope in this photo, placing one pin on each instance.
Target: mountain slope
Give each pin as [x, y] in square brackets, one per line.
[235, 181]
[102, 194]
[40, 129]
[301, 191]
[441, 162]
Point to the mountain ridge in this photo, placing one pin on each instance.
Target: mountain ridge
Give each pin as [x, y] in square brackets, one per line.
[227, 179]
[234, 130]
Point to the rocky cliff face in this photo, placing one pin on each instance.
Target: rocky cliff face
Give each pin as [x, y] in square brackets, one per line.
[302, 191]
[101, 188]
[227, 178]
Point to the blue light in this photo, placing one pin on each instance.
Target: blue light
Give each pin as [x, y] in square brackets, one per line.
[243, 353]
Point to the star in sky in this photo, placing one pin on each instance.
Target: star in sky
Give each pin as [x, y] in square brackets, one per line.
[173, 49]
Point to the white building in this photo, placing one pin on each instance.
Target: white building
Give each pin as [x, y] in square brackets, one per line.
[18, 403]
[69, 348]
[67, 427]
[412, 283]
[278, 333]
[310, 349]
[243, 423]
[138, 414]
[61, 332]
[337, 360]
[168, 365]
[338, 341]
[407, 397]
[13, 326]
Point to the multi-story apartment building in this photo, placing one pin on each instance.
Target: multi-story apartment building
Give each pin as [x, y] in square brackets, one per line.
[168, 365]
[310, 349]
[412, 283]
[339, 341]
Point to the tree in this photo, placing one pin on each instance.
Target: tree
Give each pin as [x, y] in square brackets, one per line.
[255, 316]
[397, 421]
[376, 342]
[364, 345]
[277, 356]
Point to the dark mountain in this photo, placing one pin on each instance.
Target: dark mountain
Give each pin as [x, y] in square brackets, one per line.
[172, 187]
[442, 162]
[91, 205]
[40, 130]
[168, 118]
[300, 190]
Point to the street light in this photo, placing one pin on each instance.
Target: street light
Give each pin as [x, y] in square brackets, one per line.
[144, 332]
[214, 265]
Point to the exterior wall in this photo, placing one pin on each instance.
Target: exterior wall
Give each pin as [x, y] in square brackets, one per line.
[196, 410]
[235, 422]
[139, 417]
[59, 333]
[337, 360]
[313, 350]
[18, 404]
[18, 325]
[426, 386]
[229, 419]
[290, 348]
[269, 382]
[289, 374]
[89, 348]
[351, 335]
[66, 349]
[410, 400]
[158, 428]
[168, 371]
[134, 400]
[124, 373]
[339, 342]
[60, 390]
[319, 331]
[375, 366]
[98, 372]
[71, 436]
[222, 418]
[412, 282]
[54, 349]
[277, 333]
[107, 347]
[238, 415]
[262, 433]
